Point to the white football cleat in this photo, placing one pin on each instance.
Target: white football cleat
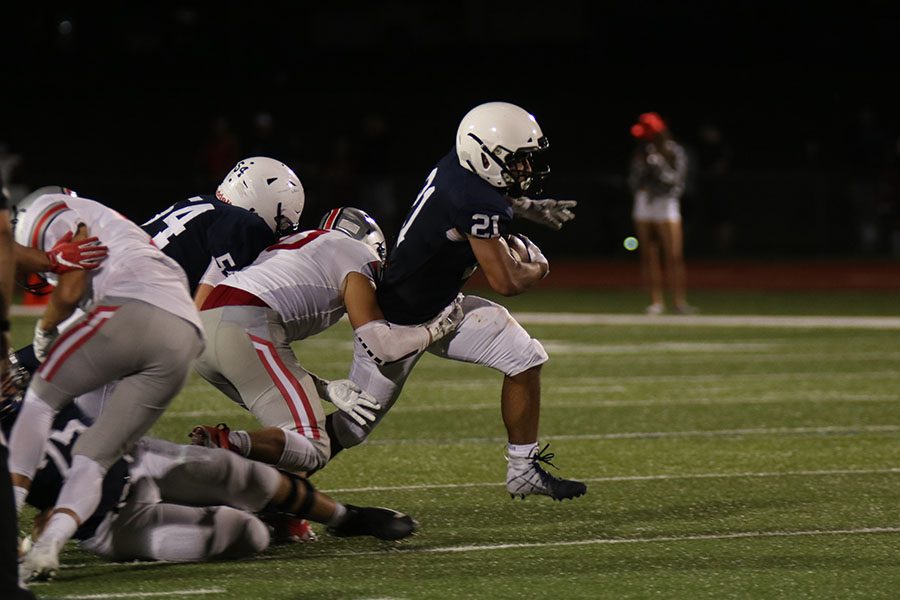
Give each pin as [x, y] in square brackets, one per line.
[42, 561]
[526, 476]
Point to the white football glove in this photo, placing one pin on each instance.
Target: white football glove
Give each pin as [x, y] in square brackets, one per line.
[447, 320]
[552, 213]
[534, 253]
[43, 340]
[351, 399]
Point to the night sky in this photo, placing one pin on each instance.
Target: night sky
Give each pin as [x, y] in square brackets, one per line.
[119, 102]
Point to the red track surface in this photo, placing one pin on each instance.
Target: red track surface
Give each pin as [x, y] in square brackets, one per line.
[760, 275]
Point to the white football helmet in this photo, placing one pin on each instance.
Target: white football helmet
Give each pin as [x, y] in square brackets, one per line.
[267, 187]
[22, 225]
[357, 224]
[29, 229]
[500, 142]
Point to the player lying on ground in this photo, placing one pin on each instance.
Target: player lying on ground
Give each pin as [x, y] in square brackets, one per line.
[180, 503]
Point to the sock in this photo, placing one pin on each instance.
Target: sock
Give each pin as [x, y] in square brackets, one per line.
[60, 528]
[240, 441]
[340, 513]
[520, 450]
[21, 493]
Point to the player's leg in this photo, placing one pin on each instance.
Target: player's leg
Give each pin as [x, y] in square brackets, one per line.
[248, 347]
[177, 533]
[651, 268]
[160, 365]
[488, 335]
[384, 382]
[200, 476]
[70, 369]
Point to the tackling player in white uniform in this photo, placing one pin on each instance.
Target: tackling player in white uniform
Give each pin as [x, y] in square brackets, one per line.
[297, 288]
[137, 293]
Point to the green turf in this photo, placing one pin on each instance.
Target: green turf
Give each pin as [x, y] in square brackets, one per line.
[722, 462]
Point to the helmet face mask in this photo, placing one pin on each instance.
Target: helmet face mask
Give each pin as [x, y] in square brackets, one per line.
[267, 187]
[504, 145]
[357, 224]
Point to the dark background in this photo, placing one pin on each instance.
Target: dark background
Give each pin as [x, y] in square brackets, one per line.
[121, 104]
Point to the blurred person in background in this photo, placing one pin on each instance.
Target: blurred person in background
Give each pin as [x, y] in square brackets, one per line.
[656, 177]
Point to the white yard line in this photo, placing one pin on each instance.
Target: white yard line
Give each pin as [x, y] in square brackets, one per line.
[194, 592]
[828, 430]
[660, 539]
[815, 322]
[661, 477]
[545, 318]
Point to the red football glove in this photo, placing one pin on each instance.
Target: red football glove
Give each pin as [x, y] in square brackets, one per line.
[84, 254]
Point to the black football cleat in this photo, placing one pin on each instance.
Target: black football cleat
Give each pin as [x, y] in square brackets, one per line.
[381, 523]
[526, 476]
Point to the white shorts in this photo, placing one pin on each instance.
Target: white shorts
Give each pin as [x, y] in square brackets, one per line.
[657, 209]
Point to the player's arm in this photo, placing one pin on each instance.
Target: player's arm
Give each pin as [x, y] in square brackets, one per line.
[388, 342]
[506, 275]
[203, 290]
[63, 301]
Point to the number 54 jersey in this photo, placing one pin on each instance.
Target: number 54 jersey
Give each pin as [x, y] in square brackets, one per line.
[209, 238]
[432, 258]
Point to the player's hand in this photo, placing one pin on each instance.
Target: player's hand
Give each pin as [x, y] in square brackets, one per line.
[351, 399]
[534, 254]
[552, 213]
[43, 340]
[447, 320]
[84, 254]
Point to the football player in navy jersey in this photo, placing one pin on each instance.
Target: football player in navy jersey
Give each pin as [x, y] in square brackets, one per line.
[260, 200]
[460, 221]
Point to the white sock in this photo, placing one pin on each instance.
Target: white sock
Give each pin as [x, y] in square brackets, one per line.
[20, 493]
[340, 511]
[240, 440]
[60, 529]
[520, 450]
[83, 487]
[29, 434]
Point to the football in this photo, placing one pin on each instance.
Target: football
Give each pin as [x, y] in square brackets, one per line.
[517, 248]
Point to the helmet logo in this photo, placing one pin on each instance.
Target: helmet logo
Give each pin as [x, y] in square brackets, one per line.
[484, 161]
[271, 180]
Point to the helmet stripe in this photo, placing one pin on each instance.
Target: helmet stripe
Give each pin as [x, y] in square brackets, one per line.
[43, 223]
[331, 218]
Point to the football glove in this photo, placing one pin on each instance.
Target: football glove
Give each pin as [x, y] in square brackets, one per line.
[84, 254]
[351, 399]
[534, 253]
[551, 213]
[43, 340]
[447, 320]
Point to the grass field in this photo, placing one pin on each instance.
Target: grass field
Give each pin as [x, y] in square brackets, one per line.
[724, 460]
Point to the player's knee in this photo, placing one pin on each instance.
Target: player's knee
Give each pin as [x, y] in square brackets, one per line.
[238, 534]
[302, 453]
[348, 432]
